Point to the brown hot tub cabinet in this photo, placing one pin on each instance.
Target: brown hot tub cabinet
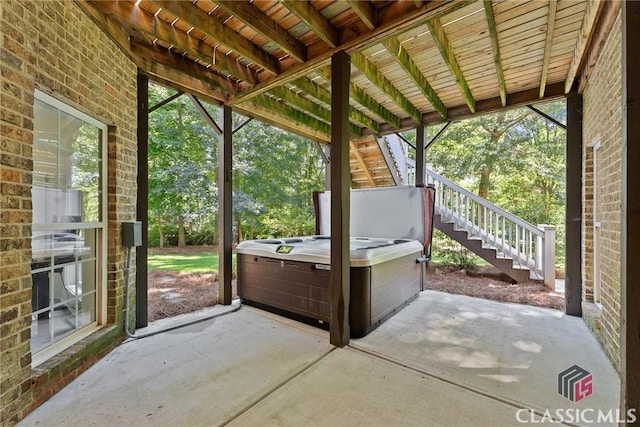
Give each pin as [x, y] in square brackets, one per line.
[292, 276]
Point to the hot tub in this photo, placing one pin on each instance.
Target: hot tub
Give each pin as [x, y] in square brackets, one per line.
[292, 276]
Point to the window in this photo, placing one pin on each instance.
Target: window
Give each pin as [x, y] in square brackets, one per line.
[68, 253]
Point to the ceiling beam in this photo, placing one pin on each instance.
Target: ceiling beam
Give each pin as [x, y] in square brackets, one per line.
[181, 64]
[484, 106]
[193, 15]
[382, 83]
[291, 113]
[393, 18]
[323, 95]
[308, 106]
[265, 26]
[362, 163]
[365, 11]
[442, 41]
[314, 20]
[495, 48]
[402, 57]
[548, 44]
[364, 99]
[593, 10]
[136, 18]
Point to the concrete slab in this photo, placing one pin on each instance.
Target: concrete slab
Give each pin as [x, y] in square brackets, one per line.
[198, 375]
[509, 351]
[351, 388]
[442, 360]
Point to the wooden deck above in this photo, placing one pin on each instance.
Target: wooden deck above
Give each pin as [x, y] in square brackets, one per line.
[412, 62]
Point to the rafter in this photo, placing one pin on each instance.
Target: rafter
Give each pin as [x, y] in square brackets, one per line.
[265, 26]
[551, 22]
[364, 99]
[593, 9]
[495, 48]
[308, 106]
[180, 64]
[402, 57]
[365, 11]
[291, 113]
[394, 18]
[378, 79]
[442, 41]
[137, 18]
[323, 95]
[314, 20]
[362, 163]
[195, 16]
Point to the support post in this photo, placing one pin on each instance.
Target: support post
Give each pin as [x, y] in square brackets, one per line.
[548, 255]
[420, 142]
[630, 215]
[142, 208]
[225, 211]
[327, 168]
[573, 212]
[340, 286]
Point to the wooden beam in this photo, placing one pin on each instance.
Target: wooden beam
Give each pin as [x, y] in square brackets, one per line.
[134, 17]
[404, 60]
[180, 80]
[362, 163]
[421, 139]
[181, 64]
[205, 115]
[193, 15]
[590, 17]
[484, 106]
[573, 208]
[442, 41]
[323, 95]
[548, 44]
[292, 114]
[340, 285]
[310, 107]
[382, 83]
[225, 206]
[142, 205]
[365, 11]
[266, 27]
[264, 115]
[314, 20]
[630, 220]
[394, 18]
[601, 32]
[364, 99]
[495, 48]
[164, 102]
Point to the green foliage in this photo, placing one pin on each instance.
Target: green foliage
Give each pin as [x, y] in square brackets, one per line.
[274, 176]
[202, 262]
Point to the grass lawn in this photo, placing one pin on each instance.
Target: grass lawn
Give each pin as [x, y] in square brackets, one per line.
[200, 262]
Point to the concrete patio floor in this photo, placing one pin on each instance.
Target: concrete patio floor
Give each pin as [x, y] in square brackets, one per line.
[444, 360]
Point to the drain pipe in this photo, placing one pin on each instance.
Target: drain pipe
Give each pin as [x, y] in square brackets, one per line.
[131, 237]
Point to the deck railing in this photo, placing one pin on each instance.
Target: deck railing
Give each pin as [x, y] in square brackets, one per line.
[528, 245]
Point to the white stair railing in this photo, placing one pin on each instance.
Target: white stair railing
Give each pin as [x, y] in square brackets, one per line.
[529, 246]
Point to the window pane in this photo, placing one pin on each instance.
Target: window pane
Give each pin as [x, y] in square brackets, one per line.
[67, 188]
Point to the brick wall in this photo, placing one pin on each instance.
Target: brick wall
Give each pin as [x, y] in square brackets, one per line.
[602, 121]
[55, 47]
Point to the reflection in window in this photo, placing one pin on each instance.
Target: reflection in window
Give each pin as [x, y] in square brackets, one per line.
[68, 222]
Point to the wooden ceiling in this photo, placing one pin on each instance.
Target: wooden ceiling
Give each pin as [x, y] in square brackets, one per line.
[411, 61]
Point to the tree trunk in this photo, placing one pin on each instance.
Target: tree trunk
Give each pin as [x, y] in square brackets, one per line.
[239, 229]
[483, 186]
[160, 233]
[181, 239]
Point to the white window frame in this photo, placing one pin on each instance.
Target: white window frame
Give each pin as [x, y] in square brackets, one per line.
[101, 237]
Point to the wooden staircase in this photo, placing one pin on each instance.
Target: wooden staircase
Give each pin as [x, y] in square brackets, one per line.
[517, 248]
[476, 245]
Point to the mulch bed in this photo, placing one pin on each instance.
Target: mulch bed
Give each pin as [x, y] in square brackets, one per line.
[170, 293]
